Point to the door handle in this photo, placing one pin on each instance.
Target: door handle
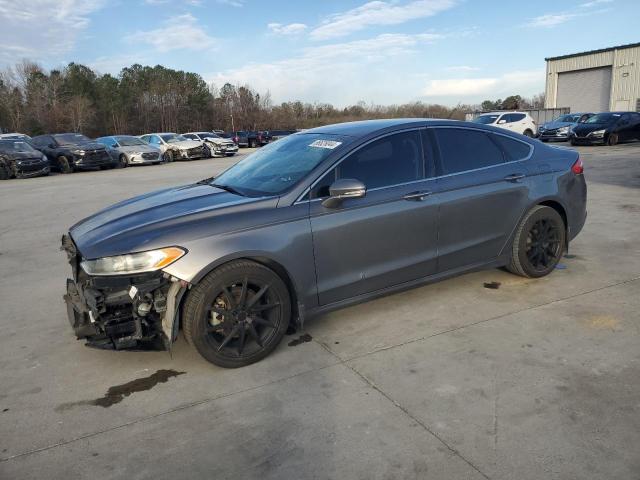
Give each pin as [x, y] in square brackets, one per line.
[514, 177]
[416, 196]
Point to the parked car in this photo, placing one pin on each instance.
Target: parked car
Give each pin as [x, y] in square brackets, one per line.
[217, 145]
[316, 221]
[129, 150]
[246, 138]
[560, 128]
[607, 128]
[14, 136]
[176, 147]
[273, 135]
[518, 122]
[18, 159]
[68, 152]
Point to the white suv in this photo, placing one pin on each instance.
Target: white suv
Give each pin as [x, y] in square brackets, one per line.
[519, 122]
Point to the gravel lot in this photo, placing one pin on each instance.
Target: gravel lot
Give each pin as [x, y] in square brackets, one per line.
[537, 379]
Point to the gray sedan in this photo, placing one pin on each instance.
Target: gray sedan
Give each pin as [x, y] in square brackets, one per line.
[130, 150]
[316, 221]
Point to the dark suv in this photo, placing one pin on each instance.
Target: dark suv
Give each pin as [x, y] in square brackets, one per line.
[71, 151]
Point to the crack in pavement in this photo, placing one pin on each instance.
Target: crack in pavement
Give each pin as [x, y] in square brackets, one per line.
[339, 362]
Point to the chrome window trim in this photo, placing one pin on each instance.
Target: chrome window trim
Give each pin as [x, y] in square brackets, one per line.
[388, 134]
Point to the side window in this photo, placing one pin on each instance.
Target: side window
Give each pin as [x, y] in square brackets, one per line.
[513, 149]
[517, 117]
[109, 142]
[386, 162]
[190, 136]
[41, 141]
[462, 149]
[506, 118]
[155, 140]
[145, 138]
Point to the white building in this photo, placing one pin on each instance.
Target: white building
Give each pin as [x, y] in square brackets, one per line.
[595, 81]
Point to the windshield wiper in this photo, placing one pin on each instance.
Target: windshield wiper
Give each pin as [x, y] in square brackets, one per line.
[227, 188]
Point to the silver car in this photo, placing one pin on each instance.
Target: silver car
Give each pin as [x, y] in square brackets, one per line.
[130, 150]
[217, 145]
[176, 147]
[314, 222]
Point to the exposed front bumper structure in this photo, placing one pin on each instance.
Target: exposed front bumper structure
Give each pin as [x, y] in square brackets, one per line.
[121, 311]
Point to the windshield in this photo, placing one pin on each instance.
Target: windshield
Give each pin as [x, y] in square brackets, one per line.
[71, 139]
[568, 118]
[278, 166]
[603, 118]
[129, 141]
[208, 135]
[173, 138]
[14, 146]
[486, 119]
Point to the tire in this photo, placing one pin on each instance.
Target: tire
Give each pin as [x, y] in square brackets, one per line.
[528, 133]
[251, 144]
[573, 142]
[5, 172]
[231, 342]
[529, 258]
[65, 165]
[123, 161]
[612, 139]
[206, 151]
[168, 156]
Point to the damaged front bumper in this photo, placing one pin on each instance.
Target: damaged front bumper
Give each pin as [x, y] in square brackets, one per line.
[122, 311]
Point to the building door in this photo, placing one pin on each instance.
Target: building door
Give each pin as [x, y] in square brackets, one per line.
[585, 90]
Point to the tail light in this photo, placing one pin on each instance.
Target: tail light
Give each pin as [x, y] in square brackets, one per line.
[578, 167]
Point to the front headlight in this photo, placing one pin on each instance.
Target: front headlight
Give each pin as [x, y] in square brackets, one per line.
[140, 262]
[77, 152]
[44, 158]
[597, 133]
[563, 130]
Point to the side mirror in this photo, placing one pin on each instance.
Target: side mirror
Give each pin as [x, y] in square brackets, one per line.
[501, 122]
[343, 189]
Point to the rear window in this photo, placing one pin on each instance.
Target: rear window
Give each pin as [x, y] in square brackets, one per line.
[513, 149]
[462, 150]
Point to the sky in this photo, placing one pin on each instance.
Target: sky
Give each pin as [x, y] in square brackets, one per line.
[326, 51]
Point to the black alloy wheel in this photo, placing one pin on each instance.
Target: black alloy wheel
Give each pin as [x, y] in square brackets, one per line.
[612, 139]
[237, 314]
[123, 161]
[539, 242]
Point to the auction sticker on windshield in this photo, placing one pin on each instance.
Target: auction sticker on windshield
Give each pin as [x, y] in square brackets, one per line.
[330, 144]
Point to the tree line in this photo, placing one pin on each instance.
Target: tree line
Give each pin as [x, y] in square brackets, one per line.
[142, 99]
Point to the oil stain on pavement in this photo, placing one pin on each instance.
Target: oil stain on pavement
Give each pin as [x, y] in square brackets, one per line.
[117, 393]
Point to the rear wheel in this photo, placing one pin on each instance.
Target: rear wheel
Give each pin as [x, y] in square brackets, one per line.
[65, 165]
[612, 139]
[528, 133]
[539, 243]
[237, 314]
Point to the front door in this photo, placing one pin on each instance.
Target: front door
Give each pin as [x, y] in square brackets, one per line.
[385, 238]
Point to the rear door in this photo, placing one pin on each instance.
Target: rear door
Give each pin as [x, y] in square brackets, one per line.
[385, 238]
[482, 190]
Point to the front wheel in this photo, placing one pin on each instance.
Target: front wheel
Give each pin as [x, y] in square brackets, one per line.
[168, 156]
[5, 171]
[65, 165]
[237, 314]
[528, 133]
[613, 139]
[539, 243]
[123, 161]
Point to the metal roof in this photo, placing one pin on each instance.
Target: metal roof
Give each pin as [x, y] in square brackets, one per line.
[590, 52]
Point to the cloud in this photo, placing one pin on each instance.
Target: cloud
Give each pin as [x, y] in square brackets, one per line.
[338, 72]
[461, 68]
[377, 13]
[232, 3]
[595, 3]
[177, 33]
[523, 82]
[291, 29]
[551, 19]
[43, 29]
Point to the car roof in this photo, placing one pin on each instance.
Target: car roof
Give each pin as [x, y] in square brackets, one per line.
[503, 112]
[161, 133]
[364, 127]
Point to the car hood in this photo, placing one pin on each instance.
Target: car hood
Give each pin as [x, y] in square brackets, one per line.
[186, 144]
[219, 141]
[163, 218]
[138, 149]
[22, 155]
[554, 125]
[85, 146]
[584, 128]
